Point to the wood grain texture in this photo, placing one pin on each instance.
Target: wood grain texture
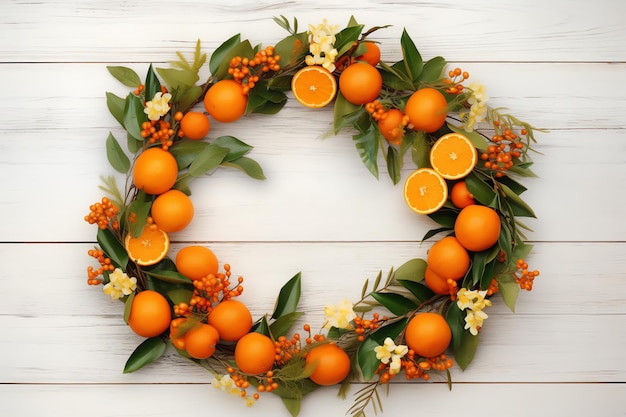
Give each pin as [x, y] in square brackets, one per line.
[557, 64]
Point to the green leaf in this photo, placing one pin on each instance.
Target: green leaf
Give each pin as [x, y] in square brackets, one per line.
[147, 352]
[262, 326]
[182, 184]
[116, 106]
[514, 185]
[519, 206]
[178, 78]
[345, 39]
[504, 241]
[445, 217]
[419, 290]
[116, 156]
[476, 138]
[292, 405]
[393, 164]
[180, 295]
[366, 144]
[112, 248]
[464, 354]
[391, 330]
[186, 97]
[133, 144]
[344, 113]
[242, 49]
[125, 75]
[186, 151]
[173, 277]
[481, 191]
[396, 303]
[283, 324]
[411, 270]
[420, 151]
[433, 70]
[236, 148]
[134, 116]
[140, 206]
[247, 165]
[128, 303]
[366, 358]
[288, 297]
[434, 232]
[521, 251]
[509, 289]
[394, 76]
[292, 49]
[478, 267]
[488, 274]
[456, 321]
[152, 84]
[220, 53]
[207, 160]
[412, 58]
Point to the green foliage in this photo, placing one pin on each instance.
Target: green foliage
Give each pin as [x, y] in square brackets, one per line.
[147, 352]
[288, 297]
[152, 84]
[116, 107]
[116, 156]
[125, 75]
[112, 248]
[134, 116]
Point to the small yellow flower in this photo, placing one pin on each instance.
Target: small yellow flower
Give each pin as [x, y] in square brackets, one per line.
[474, 321]
[340, 315]
[120, 284]
[389, 352]
[475, 302]
[321, 45]
[225, 383]
[158, 107]
[478, 110]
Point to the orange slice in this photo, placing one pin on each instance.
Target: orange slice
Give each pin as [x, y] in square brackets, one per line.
[313, 86]
[453, 156]
[148, 248]
[425, 191]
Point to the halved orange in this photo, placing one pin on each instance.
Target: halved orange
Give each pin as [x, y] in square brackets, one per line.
[148, 248]
[313, 86]
[425, 191]
[453, 156]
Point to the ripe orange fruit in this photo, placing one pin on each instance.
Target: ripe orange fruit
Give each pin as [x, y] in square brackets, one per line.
[333, 364]
[460, 195]
[453, 156]
[372, 55]
[172, 211]
[391, 127]
[200, 341]
[155, 171]
[232, 319]
[225, 101]
[196, 262]
[360, 83]
[448, 259]
[426, 109]
[313, 86]
[425, 191]
[428, 334]
[150, 314]
[254, 353]
[435, 282]
[195, 125]
[477, 227]
[149, 247]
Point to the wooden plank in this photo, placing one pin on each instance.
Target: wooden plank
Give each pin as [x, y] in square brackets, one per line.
[63, 31]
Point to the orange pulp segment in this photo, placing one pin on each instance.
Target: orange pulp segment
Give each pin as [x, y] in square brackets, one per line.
[148, 248]
[453, 156]
[425, 191]
[313, 86]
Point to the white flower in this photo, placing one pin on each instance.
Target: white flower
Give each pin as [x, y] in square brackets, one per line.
[478, 110]
[339, 316]
[474, 321]
[389, 352]
[119, 285]
[158, 107]
[475, 302]
[321, 45]
[225, 383]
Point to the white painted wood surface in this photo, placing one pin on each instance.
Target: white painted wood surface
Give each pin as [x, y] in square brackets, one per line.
[559, 65]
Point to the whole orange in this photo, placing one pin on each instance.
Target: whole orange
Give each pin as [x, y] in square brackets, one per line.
[150, 314]
[426, 109]
[332, 364]
[448, 259]
[155, 171]
[428, 334]
[360, 83]
[232, 319]
[391, 126]
[435, 282]
[172, 211]
[254, 353]
[477, 227]
[371, 55]
[225, 101]
[196, 262]
[460, 195]
[200, 341]
[195, 125]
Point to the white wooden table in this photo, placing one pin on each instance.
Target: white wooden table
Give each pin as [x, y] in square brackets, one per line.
[557, 64]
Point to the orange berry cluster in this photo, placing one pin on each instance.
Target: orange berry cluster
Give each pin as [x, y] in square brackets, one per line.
[139, 89]
[453, 288]
[208, 291]
[247, 72]
[505, 148]
[363, 326]
[375, 109]
[103, 214]
[269, 384]
[493, 287]
[158, 130]
[105, 265]
[416, 367]
[525, 278]
[313, 337]
[286, 348]
[456, 77]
